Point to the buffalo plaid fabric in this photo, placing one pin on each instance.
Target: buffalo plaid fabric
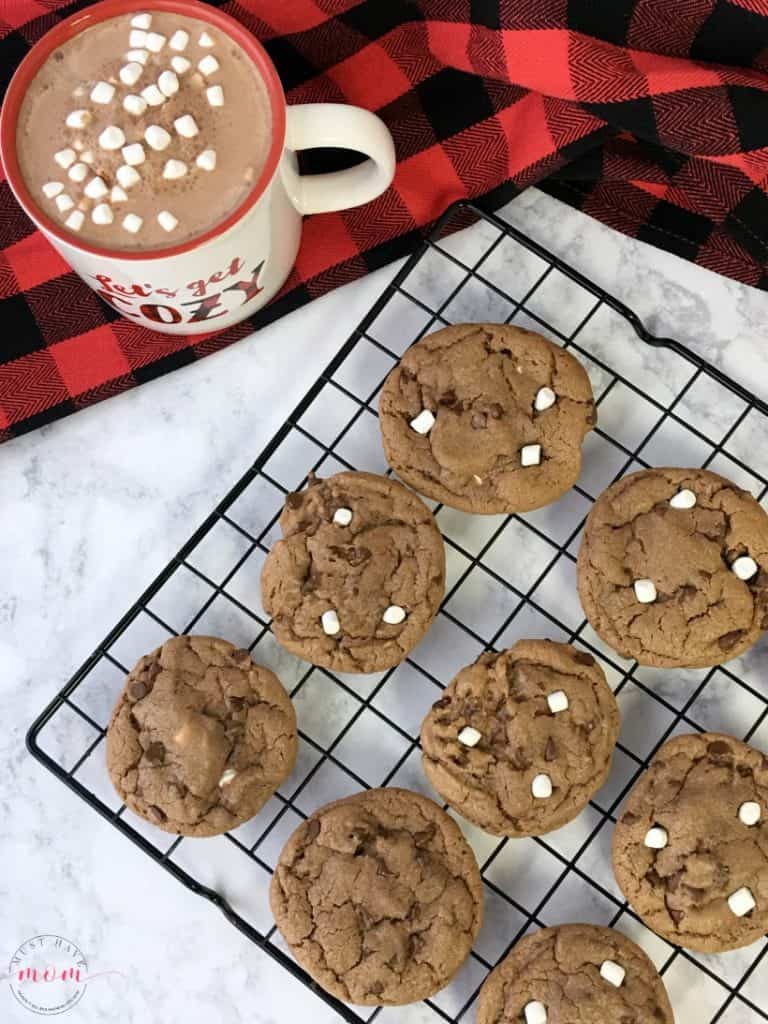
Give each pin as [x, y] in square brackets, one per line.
[650, 115]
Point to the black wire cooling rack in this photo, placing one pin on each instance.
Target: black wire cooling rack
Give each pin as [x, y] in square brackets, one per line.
[508, 577]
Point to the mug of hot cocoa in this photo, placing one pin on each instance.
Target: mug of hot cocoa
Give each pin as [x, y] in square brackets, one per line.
[152, 145]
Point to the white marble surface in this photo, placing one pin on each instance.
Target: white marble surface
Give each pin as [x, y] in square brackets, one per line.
[92, 508]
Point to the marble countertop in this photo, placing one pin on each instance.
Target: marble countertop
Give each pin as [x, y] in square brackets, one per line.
[93, 507]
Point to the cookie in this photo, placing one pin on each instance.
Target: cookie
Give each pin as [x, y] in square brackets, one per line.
[201, 737]
[521, 740]
[379, 897]
[575, 974]
[359, 575]
[673, 568]
[690, 850]
[487, 418]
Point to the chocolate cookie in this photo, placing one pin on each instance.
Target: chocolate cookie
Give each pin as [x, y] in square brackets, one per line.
[575, 974]
[201, 737]
[671, 568]
[690, 851]
[359, 575]
[521, 740]
[487, 418]
[379, 897]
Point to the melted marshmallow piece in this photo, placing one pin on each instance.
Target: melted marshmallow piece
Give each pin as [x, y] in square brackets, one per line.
[750, 813]
[645, 591]
[535, 1012]
[541, 787]
[656, 838]
[394, 615]
[530, 455]
[423, 423]
[683, 499]
[228, 775]
[741, 902]
[545, 399]
[744, 567]
[613, 973]
[342, 516]
[469, 736]
[557, 701]
[330, 623]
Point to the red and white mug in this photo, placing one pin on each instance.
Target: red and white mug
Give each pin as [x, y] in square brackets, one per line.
[230, 271]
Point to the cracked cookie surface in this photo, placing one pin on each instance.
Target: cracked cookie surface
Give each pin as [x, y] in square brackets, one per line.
[480, 382]
[560, 968]
[702, 614]
[379, 897]
[693, 790]
[359, 574]
[201, 737]
[506, 698]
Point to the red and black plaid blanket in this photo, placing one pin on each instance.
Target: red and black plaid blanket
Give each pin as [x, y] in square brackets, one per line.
[651, 115]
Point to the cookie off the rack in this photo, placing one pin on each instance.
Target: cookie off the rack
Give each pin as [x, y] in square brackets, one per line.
[673, 568]
[359, 574]
[487, 418]
[521, 740]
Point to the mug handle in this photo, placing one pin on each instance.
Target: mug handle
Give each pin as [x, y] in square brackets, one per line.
[309, 125]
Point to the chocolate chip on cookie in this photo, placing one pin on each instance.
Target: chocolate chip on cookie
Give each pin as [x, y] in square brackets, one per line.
[575, 974]
[201, 737]
[690, 851]
[673, 568]
[521, 740]
[354, 592]
[379, 897]
[487, 418]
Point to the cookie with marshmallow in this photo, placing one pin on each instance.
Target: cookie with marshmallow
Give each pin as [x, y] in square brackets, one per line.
[520, 741]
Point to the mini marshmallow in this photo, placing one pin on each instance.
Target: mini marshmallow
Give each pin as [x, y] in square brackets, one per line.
[137, 56]
[186, 126]
[683, 499]
[394, 615]
[102, 214]
[215, 96]
[741, 902]
[423, 423]
[612, 972]
[535, 1012]
[51, 189]
[141, 21]
[112, 137]
[166, 220]
[135, 105]
[168, 83]
[530, 455]
[65, 158]
[342, 516]
[469, 736]
[132, 222]
[179, 40]
[155, 42]
[478, 479]
[541, 787]
[330, 622]
[130, 73]
[153, 96]
[545, 398]
[228, 775]
[75, 220]
[180, 65]
[78, 119]
[749, 813]
[157, 137]
[174, 169]
[744, 567]
[127, 176]
[95, 188]
[87, 157]
[208, 65]
[656, 838]
[134, 154]
[205, 40]
[137, 39]
[207, 160]
[64, 203]
[79, 145]
[557, 701]
[102, 92]
[78, 172]
[645, 591]
[118, 195]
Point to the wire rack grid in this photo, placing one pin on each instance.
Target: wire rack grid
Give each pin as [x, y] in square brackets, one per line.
[508, 577]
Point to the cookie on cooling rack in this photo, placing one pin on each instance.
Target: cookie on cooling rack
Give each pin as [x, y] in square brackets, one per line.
[201, 737]
[379, 897]
[575, 974]
[487, 418]
[690, 850]
[521, 740]
[673, 568]
[359, 574]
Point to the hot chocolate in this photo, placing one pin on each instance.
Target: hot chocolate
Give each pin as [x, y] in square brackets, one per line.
[144, 131]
